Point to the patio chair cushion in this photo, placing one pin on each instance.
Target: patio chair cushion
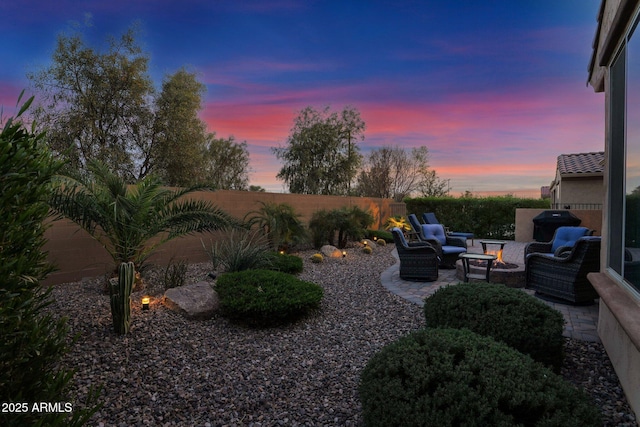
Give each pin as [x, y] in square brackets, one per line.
[434, 231]
[568, 236]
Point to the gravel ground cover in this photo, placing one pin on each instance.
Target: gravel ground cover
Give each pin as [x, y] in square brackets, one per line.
[170, 371]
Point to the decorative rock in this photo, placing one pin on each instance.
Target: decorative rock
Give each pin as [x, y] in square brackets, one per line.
[198, 301]
[331, 251]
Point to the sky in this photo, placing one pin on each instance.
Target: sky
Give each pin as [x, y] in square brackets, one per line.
[496, 89]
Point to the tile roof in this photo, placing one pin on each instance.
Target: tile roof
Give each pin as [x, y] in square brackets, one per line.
[581, 163]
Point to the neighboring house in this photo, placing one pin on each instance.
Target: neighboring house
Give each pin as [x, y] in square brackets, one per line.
[615, 70]
[579, 181]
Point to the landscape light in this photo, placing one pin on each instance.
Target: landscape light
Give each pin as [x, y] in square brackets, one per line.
[344, 254]
[145, 302]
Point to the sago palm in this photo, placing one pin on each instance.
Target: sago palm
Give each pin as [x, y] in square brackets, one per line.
[130, 222]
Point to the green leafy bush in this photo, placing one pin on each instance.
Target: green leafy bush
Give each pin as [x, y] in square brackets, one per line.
[33, 341]
[486, 217]
[280, 224]
[266, 298]
[347, 223]
[285, 263]
[449, 377]
[380, 235]
[508, 315]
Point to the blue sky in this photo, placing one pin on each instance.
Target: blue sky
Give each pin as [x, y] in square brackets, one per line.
[495, 89]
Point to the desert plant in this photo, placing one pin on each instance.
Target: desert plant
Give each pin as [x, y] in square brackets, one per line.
[175, 274]
[454, 377]
[239, 250]
[286, 263]
[33, 339]
[381, 242]
[347, 223]
[266, 298]
[130, 222]
[508, 315]
[367, 250]
[280, 224]
[120, 296]
[397, 221]
[317, 258]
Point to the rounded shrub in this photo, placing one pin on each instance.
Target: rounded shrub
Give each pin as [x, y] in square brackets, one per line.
[285, 263]
[508, 315]
[381, 242]
[317, 258]
[380, 235]
[266, 297]
[367, 250]
[453, 377]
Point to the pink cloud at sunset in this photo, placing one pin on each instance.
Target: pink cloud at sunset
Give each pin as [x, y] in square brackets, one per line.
[495, 90]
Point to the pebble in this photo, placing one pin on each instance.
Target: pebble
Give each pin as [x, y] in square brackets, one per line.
[170, 371]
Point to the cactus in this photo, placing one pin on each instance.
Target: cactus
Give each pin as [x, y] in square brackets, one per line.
[120, 293]
[316, 258]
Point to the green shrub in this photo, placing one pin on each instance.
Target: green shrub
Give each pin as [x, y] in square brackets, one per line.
[266, 298]
[285, 263]
[508, 315]
[347, 223]
[380, 235]
[317, 258]
[33, 340]
[449, 377]
[239, 251]
[280, 224]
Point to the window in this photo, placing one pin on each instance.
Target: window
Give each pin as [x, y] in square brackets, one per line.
[624, 171]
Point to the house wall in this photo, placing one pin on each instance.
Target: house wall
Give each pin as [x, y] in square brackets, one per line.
[77, 255]
[524, 222]
[581, 190]
[619, 315]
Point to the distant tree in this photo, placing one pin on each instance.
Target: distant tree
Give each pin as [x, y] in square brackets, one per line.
[96, 105]
[103, 106]
[433, 186]
[322, 156]
[180, 135]
[226, 164]
[256, 188]
[391, 172]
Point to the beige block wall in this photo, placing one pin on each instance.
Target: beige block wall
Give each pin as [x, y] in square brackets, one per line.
[524, 222]
[583, 191]
[77, 255]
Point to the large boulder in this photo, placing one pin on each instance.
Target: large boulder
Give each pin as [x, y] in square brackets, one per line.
[331, 251]
[198, 301]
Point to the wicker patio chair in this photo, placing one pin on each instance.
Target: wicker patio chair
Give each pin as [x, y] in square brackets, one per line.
[565, 277]
[563, 240]
[418, 261]
[430, 218]
[447, 247]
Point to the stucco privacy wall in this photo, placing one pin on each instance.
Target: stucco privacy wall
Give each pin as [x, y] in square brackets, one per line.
[77, 255]
[524, 222]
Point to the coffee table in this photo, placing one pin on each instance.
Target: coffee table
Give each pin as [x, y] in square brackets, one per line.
[477, 257]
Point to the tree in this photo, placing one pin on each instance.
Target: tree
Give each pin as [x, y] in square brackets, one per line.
[391, 172]
[180, 135]
[280, 224]
[226, 164]
[322, 155]
[33, 340]
[130, 222]
[95, 105]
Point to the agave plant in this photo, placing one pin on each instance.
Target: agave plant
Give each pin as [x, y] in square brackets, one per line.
[130, 222]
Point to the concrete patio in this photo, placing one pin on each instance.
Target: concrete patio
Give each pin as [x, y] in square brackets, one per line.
[581, 322]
